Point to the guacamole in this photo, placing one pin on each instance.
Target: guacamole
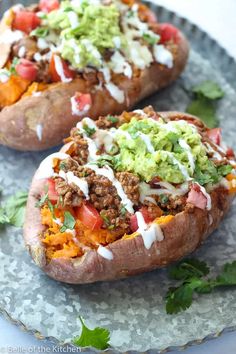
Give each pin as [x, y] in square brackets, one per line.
[85, 31]
[172, 151]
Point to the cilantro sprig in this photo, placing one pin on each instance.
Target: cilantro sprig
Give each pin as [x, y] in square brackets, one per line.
[69, 222]
[203, 105]
[97, 338]
[13, 211]
[192, 273]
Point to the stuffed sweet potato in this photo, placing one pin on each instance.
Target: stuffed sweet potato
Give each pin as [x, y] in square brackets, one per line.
[62, 62]
[127, 194]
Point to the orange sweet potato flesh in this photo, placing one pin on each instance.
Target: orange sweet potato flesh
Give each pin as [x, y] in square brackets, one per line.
[12, 90]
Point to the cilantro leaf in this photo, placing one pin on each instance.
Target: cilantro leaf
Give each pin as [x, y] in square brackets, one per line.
[204, 109]
[150, 39]
[40, 32]
[15, 209]
[97, 338]
[209, 89]
[12, 69]
[112, 119]
[89, 131]
[188, 268]
[3, 217]
[228, 275]
[69, 222]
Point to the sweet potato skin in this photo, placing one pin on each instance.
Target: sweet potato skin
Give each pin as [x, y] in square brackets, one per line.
[52, 109]
[182, 235]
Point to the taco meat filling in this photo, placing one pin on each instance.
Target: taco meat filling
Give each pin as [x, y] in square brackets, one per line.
[123, 176]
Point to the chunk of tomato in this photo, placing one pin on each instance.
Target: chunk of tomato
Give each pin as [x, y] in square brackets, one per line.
[27, 70]
[69, 74]
[83, 101]
[215, 135]
[134, 221]
[168, 33]
[25, 21]
[49, 5]
[50, 189]
[89, 216]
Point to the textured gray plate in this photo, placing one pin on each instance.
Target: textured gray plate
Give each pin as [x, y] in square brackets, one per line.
[132, 309]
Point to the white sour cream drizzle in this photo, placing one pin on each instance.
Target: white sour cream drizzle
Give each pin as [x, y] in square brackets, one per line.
[105, 253]
[39, 131]
[46, 167]
[163, 55]
[191, 158]
[147, 142]
[115, 92]
[146, 191]
[92, 147]
[208, 197]
[149, 233]
[60, 70]
[215, 154]
[181, 167]
[4, 75]
[10, 37]
[109, 174]
[81, 183]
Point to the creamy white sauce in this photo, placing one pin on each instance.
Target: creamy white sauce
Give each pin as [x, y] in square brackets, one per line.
[42, 43]
[141, 113]
[89, 122]
[117, 42]
[73, 18]
[46, 167]
[39, 131]
[120, 65]
[181, 167]
[38, 57]
[81, 183]
[215, 154]
[109, 174]
[149, 233]
[106, 74]
[115, 92]
[92, 147]
[36, 94]
[208, 197]
[4, 76]
[147, 142]
[146, 191]
[163, 55]
[21, 52]
[10, 37]
[105, 253]
[60, 70]
[187, 148]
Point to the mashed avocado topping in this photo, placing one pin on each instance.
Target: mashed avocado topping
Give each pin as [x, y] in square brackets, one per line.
[86, 30]
[172, 151]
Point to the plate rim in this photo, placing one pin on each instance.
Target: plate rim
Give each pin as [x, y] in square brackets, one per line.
[111, 350]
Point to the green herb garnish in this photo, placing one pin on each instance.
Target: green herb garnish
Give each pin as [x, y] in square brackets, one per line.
[13, 211]
[163, 198]
[209, 89]
[203, 104]
[192, 273]
[40, 32]
[105, 218]
[123, 210]
[69, 222]
[97, 338]
[14, 63]
[150, 39]
[88, 131]
[112, 119]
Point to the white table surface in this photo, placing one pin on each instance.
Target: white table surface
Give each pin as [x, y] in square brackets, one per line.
[217, 17]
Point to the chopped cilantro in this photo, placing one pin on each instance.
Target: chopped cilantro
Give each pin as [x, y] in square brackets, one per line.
[192, 273]
[112, 119]
[123, 210]
[105, 218]
[97, 338]
[150, 39]
[13, 212]
[41, 32]
[209, 89]
[69, 222]
[164, 198]
[15, 61]
[89, 131]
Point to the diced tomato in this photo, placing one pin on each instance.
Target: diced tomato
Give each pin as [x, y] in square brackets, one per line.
[83, 101]
[134, 221]
[196, 197]
[215, 135]
[25, 21]
[49, 5]
[89, 216]
[168, 33]
[229, 152]
[69, 74]
[27, 70]
[51, 190]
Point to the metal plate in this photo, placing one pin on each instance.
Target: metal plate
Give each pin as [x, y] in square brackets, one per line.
[132, 309]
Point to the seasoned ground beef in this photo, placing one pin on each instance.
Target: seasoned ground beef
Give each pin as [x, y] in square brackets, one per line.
[80, 147]
[30, 46]
[130, 184]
